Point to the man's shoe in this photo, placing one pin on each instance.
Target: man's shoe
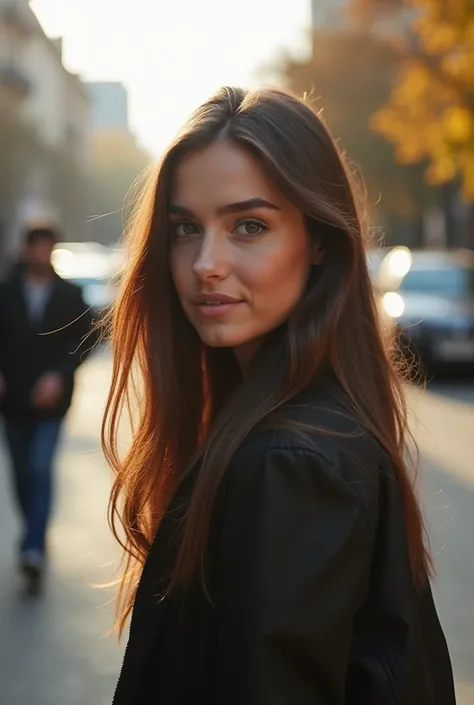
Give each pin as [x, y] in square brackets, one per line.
[32, 566]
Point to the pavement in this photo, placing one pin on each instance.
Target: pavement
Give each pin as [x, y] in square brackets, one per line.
[443, 422]
[56, 650]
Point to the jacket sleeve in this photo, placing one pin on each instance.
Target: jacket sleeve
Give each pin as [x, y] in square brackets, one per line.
[293, 567]
[81, 335]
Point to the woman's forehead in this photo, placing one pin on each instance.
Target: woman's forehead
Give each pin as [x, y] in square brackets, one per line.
[220, 174]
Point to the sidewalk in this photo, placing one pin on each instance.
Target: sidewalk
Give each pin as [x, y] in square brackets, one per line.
[54, 649]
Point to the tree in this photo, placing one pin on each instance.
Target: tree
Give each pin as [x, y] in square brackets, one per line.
[429, 115]
[349, 75]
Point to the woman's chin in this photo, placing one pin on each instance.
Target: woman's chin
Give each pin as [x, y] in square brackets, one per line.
[221, 337]
[219, 341]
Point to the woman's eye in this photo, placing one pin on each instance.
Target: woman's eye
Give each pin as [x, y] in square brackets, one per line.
[184, 229]
[249, 228]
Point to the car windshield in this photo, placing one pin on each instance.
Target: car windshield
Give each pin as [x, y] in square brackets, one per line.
[446, 281]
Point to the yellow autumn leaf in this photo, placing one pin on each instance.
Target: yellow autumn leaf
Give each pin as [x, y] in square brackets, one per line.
[438, 38]
[460, 66]
[469, 32]
[384, 122]
[428, 115]
[457, 124]
[441, 171]
[410, 151]
[453, 65]
[411, 87]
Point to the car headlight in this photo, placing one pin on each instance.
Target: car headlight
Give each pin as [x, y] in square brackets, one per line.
[393, 304]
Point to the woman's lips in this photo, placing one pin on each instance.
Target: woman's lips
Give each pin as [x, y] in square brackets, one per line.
[217, 309]
[215, 304]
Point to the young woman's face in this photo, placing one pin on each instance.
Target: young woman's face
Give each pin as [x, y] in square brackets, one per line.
[240, 252]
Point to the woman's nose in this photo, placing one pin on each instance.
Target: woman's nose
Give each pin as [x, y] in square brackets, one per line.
[212, 260]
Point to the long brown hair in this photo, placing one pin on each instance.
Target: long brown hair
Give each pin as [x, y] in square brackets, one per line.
[191, 403]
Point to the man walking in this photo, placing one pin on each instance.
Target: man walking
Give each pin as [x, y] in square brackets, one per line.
[43, 324]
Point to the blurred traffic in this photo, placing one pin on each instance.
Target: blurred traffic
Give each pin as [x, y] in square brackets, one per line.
[427, 298]
[94, 268]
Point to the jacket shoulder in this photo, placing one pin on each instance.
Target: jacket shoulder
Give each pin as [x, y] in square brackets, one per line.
[322, 420]
[320, 425]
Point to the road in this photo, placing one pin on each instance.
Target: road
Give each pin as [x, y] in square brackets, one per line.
[55, 650]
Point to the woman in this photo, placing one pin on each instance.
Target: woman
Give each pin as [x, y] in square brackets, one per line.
[269, 520]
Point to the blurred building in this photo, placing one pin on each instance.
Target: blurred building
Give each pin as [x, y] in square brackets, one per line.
[44, 129]
[386, 17]
[117, 160]
[328, 13]
[58, 105]
[109, 100]
[16, 29]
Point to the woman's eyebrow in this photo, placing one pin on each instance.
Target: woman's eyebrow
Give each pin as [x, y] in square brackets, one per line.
[249, 204]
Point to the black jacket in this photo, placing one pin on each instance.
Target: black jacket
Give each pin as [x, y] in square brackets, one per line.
[27, 351]
[313, 601]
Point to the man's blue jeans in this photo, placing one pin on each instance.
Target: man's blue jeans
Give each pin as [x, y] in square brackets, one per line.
[32, 446]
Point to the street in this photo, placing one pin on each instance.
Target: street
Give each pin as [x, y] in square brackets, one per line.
[54, 650]
[444, 428]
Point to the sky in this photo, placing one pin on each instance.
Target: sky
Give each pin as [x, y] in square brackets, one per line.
[173, 54]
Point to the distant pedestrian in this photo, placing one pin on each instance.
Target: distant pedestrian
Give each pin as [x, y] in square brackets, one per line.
[43, 323]
[274, 541]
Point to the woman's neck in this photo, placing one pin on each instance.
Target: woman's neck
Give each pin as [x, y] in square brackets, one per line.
[244, 353]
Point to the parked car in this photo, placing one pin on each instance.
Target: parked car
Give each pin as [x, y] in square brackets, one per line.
[90, 266]
[429, 297]
[98, 293]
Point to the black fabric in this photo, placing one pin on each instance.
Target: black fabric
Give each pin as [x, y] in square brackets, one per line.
[54, 344]
[313, 602]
